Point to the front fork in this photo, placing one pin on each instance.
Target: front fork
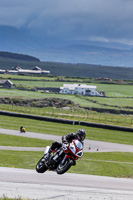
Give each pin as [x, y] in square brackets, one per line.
[68, 157]
[46, 149]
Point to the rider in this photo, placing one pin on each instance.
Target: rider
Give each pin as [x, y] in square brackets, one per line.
[80, 135]
[21, 128]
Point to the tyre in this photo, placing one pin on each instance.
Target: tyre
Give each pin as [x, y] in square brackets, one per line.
[41, 167]
[62, 168]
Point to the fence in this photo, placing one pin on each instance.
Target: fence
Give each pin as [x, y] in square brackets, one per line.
[72, 114]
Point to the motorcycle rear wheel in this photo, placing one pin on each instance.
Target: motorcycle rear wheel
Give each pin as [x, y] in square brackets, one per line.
[41, 167]
[62, 168]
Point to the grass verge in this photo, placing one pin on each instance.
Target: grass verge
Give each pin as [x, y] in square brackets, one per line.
[114, 164]
[6, 198]
[19, 141]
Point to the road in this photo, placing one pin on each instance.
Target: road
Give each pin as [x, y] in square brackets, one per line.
[90, 145]
[30, 185]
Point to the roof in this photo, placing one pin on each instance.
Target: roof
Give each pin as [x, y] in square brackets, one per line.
[5, 81]
[28, 71]
[2, 81]
[74, 86]
[36, 68]
[2, 70]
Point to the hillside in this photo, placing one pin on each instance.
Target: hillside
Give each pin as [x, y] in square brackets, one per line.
[68, 69]
[17, 56]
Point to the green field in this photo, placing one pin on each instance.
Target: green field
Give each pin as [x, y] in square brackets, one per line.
[90, 102]
[119, 94]
[111, 90]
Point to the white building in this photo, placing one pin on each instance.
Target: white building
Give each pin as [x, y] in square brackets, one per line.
[34, 71]
[82, 89]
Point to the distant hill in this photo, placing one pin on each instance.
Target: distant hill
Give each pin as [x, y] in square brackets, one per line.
[90, 54]
[18, 56]
[22, 41]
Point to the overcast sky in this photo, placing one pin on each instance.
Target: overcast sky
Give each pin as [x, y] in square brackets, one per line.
[98, 20]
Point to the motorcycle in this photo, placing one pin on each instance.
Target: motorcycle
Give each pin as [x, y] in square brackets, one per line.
[61, 159]
[22, 130]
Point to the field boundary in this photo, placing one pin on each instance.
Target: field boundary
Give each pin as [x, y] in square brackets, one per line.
[107, 126]
[50, 119]
[65, 121]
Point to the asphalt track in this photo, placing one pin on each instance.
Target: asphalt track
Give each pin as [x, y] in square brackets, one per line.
[89, 145]
[30, 185]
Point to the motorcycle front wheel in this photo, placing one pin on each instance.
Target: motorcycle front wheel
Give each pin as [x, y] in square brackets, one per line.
[41, 167]
[62, 168]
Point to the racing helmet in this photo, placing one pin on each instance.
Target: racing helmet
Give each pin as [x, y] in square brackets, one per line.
[81, 134]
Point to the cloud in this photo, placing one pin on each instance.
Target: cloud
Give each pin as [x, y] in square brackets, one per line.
[71, 20]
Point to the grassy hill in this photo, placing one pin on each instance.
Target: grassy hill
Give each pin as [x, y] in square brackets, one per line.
[17, 56]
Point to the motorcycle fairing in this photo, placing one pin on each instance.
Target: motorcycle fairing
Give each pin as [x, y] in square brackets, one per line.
[76, 148]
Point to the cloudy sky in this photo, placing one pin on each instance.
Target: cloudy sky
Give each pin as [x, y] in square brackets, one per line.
[72, 20]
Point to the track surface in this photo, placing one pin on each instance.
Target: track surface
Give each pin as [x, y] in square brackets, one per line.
[30, 185]
[90, 145]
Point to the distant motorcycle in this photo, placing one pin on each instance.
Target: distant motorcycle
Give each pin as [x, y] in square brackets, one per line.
[22, 130]
[62, 159]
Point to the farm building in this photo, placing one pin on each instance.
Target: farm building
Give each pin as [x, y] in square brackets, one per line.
[2, 71]
[82, 89]
[6, 83]
[34, 71]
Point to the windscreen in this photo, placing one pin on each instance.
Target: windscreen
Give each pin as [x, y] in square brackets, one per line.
[78, 144]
